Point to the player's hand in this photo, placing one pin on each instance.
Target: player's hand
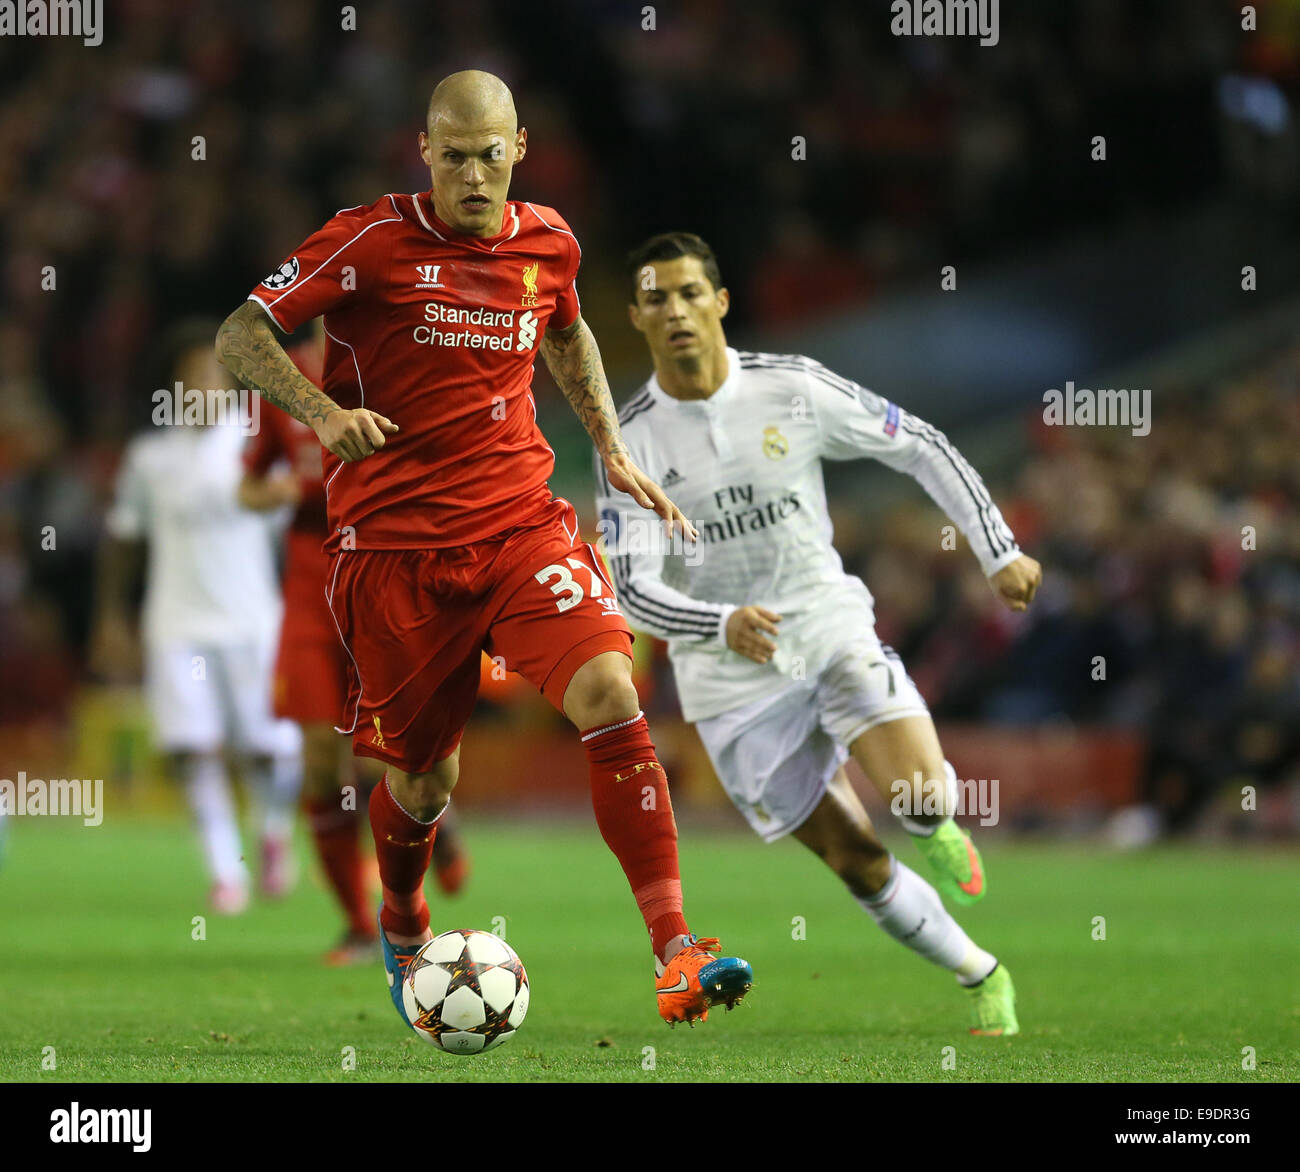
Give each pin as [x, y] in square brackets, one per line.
[1017, 583]
[627, 477]
[354, 435]
[282, 488]
[746, 629]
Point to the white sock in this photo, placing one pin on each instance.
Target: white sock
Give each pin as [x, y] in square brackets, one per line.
[925, 829]
[276, 781]
[910, 910]
[208, 790]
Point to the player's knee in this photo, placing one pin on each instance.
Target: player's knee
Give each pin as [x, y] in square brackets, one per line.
[601, 692]
[425, 795]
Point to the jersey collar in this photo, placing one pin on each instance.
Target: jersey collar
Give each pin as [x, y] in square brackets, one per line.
[715, 400]
[425, 214]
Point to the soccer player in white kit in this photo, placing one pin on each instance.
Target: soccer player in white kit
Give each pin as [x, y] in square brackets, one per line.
[773, 645]
[210, 621]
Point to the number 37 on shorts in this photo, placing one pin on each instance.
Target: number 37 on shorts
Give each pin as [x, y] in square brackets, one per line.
[575, 579]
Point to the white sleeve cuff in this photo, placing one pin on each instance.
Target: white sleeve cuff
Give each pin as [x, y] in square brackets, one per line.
[1001, 561]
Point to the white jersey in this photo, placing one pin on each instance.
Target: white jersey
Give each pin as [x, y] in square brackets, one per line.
[211, 569]
[745, 465]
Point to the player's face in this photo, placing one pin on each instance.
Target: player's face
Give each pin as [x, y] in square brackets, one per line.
[471, 167]
[678, 310]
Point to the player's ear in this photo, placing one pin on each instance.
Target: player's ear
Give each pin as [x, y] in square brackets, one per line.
[634, 316]
[425, 148]
[724, 301]
[521, 144]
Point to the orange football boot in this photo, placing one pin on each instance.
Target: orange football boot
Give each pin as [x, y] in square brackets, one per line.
[694, 981]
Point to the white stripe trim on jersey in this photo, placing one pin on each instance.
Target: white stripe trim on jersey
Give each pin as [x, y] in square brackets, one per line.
[298, 285]
[419, 211]
[600, 569]
[361, 386]
[573, 537]
[553, 228]
[329, 601]
[267, 310]
[513, 231]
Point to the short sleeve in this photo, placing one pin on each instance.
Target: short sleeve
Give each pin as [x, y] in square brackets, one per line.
[326, 271]
[567, 305]
[128, 517]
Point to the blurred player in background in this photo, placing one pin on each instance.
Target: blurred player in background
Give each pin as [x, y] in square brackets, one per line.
[283, 469]
[445, 538]
[210, 618]
[773, 645]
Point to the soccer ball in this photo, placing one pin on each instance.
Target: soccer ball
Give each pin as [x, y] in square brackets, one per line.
[465, 991]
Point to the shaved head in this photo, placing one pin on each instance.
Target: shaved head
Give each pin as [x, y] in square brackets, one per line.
[471, 142]
[472, 99]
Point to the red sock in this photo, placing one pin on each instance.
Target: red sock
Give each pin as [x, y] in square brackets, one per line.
[334, 831]
[629, 792]
[403, 847]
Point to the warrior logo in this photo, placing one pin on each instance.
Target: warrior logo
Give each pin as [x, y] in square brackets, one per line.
[428, 277]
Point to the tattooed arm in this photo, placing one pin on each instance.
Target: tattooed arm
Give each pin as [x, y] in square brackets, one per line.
[573, 359]
[247, 348]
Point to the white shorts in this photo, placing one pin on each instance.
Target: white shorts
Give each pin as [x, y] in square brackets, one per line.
[203, 698]
[776, 755]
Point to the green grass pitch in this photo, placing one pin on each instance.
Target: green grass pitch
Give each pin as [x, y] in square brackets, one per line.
[98, 961]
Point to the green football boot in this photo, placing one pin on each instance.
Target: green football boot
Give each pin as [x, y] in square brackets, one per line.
[955, 861]
[993, 1006]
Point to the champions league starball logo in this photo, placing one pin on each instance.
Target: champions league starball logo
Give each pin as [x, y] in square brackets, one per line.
[284, 276]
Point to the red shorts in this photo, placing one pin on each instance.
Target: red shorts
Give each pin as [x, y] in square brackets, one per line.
[311, 669]
[415, 623]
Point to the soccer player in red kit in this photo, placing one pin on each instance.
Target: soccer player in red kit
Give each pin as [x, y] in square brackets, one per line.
[282, 467]
[445, 539]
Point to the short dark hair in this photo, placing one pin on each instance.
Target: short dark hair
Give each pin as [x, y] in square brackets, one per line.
[671, 246]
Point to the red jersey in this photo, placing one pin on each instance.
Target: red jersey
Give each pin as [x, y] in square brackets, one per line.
[438, 332]
[281, 438]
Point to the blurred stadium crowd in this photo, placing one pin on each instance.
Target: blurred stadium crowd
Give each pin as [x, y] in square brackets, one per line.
[917, 151]
[1174, 559]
